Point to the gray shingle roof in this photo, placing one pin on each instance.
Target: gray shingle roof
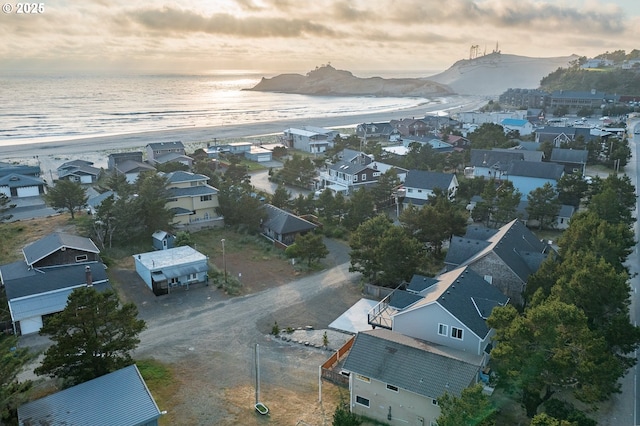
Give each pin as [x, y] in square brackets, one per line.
[461, 249]
[15, 180]
[467, 296]
[283, 222]
[420, 282]
[428, 180]
[45, 246]
[53, 278]
[401, 299]
[119, 398]
[193, 191]
[536, 169]
[182, 176]
[423, 368]
[494, 159]
[561, 155]
[348, 167]
[130, 166]
[165, 145]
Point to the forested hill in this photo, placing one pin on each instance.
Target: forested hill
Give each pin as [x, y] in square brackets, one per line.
[613, 81]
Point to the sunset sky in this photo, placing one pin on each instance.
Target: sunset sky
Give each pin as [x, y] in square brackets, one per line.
[201, 36]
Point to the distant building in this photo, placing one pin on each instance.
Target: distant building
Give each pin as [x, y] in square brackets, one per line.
[120, 157]
[524, 98]
[158, 149]
[310, 139]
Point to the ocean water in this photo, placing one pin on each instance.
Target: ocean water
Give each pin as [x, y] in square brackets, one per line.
[55, 107]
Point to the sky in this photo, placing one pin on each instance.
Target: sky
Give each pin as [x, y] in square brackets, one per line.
[200, 36]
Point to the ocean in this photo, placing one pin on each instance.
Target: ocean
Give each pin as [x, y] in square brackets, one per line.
[35, 108]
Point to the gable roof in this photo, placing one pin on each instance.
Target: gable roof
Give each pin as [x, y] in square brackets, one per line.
[283, 222]
[171, 156]
[428, 180]
[423, 368]
[461, 249]
[499, 160]
[20, 169]
[518, 248]
[466, 295]
[48, 289]
[420, 282]
[536, 169]
[118, 398]
[182, 176]
[348, 167]
[131, 166]
[159, 146]
[43, 247]
[513, 122]
[14, 180]
[562, 155]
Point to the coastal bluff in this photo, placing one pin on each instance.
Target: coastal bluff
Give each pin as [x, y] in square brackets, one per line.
[328, 81]
[487, 75]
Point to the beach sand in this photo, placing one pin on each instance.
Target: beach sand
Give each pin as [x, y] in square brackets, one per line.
[51, 154]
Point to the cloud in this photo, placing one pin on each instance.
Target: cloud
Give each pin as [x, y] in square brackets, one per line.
[180, 21]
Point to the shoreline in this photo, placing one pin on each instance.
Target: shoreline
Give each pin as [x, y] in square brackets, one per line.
[96, 148]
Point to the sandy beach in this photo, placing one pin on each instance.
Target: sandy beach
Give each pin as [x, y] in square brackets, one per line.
[51, 154]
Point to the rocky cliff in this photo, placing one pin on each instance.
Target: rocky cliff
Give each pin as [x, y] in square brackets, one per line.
[328, 81]
[488, 75]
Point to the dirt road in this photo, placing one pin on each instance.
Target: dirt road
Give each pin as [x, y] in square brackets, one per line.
[212, 346]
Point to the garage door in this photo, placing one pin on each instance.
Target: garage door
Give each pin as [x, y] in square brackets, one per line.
[28, 191]
[31, 325]
[263, 158]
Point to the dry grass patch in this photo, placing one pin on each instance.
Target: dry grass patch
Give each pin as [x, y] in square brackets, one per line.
[16, 235]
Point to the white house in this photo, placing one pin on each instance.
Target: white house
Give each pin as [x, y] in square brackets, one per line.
[524, 127]
[310, 139]
[164, 269]
[419, 185]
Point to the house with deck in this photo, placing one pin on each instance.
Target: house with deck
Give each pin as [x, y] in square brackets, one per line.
[309, 138]
[191, 199]
[504, 257]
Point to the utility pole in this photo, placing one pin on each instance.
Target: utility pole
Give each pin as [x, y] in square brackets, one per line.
[224, 261]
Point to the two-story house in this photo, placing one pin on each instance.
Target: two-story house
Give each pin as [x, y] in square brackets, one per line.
[419, 185]
[505, 257]
[191, 198]
[80, 171]
[158, 149]
[52, 268]
[310, 139]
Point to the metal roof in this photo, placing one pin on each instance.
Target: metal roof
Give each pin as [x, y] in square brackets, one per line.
[415, 365]
[120, 398]
[51, 243]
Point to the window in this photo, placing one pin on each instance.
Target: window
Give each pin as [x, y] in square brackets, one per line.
[355, 178]
[362, 401]
[392, 388]
[434, 401]
[409, 190]
[376, 174]
[442, 329]
[192, 277]
[81, 258]
[364, 177]
[456, 333]
[363, 378]
[205, 198]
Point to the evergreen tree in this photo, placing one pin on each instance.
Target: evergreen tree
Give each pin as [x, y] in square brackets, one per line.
[66, 195]
[5, 206]
[12, 393]
[93, 335]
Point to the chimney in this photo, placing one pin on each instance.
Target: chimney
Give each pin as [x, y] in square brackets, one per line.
[87, 271]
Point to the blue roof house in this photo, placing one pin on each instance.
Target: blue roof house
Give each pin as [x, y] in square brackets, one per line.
[120, 398]
[524, 127]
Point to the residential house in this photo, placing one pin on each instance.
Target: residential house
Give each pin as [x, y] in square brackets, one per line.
[420, 185]
[479, 118]
[310, 139]
[282, 227]
[573, 160]
[19, 169]
[162, 240]
[52, 268]
[15, 185]
[437, 144]
[346, 177]
[95, 199]
[449, 310]
[80, 171]
[527, 176]
[560, 222]
[118, 398]
[560, 135]
[164, 270]
[505, 257]
[459, 143]
[191, 198]
[174, 157]
[378, 130]
[132, 169]
[529, 151]
[411, 127]
[396, 379]
[491, 164]
[119, 157]
[522, 126]
[259, 154]
[158, 149]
